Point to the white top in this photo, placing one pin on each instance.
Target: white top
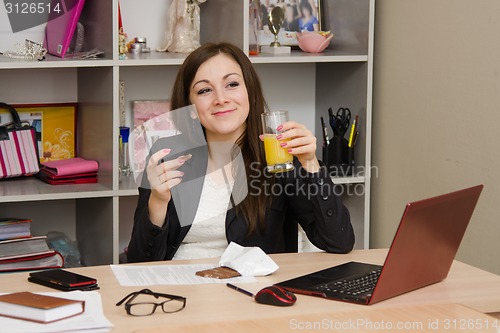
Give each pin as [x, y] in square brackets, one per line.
[207, 236]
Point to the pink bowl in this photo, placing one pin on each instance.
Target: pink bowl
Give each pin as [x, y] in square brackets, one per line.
[313, 41]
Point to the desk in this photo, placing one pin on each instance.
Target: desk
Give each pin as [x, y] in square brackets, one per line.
[430, 318]
[215, 303]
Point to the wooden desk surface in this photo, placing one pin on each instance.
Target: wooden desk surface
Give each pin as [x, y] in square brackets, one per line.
[212, 303]
[428, 318]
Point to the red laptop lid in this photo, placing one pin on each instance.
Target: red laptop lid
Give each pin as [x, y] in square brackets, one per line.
[426, 242]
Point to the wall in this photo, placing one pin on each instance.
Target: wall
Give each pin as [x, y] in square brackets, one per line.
[436, 114]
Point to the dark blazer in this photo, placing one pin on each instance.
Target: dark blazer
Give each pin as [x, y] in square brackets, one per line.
[297, 197]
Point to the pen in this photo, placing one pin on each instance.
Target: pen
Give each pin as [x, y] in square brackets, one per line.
[331, 119]
[355, 138]
[243, 291]
[353, 131]
[326, 139]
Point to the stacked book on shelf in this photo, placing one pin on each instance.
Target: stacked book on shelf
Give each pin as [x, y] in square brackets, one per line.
[14, 228]
[19, 250]
[75, 170]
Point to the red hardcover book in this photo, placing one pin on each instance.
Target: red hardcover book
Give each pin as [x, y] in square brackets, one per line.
[45, 260]
[83, 178]
[28, 254]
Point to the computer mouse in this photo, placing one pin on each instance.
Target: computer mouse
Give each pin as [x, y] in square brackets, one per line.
[274, 295]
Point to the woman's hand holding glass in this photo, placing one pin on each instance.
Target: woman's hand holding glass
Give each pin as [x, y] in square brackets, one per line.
[298, 140]
[162, 176]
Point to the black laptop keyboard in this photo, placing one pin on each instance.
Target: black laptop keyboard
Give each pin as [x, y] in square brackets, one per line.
[353, 287]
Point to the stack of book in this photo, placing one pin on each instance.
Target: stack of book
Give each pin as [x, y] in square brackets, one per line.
[30, 253]
[19, 250]
[14, 228]
[75, 170]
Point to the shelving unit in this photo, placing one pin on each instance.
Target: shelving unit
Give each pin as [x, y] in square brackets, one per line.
[100, 216]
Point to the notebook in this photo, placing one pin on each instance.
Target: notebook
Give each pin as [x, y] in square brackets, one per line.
[61, 27]
[421, 254]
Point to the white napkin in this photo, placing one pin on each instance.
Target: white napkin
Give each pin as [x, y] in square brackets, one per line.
[248, 261]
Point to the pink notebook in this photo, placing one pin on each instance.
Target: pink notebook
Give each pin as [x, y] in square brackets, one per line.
[70, 166]
[61, 180]
[59, 30]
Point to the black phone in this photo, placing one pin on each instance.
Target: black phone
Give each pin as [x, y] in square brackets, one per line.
[63, 280]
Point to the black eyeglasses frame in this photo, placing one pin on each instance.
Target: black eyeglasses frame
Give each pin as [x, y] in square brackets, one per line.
[130, 298]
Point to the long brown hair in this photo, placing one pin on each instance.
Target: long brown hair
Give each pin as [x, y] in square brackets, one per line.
[253, 207]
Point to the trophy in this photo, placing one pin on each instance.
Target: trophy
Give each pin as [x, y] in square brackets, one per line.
[276, 17]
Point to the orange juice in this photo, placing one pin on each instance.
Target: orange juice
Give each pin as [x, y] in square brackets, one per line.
[277, 158]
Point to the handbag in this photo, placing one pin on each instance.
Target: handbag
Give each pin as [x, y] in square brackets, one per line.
[18, 147]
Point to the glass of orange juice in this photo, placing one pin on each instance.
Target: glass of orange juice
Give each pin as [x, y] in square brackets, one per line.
[278, 159]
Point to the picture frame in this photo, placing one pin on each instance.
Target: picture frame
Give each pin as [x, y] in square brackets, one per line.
[144, 110]
[152, 120]
[55, 126]
[296, 12]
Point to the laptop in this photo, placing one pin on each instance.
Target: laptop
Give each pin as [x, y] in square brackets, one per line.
[421, 254]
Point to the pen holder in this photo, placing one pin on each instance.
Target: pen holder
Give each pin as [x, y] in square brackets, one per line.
[325, 154]
[339, 157]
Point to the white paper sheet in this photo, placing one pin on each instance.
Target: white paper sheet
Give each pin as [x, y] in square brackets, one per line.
[92, 320]
[248, 261]
[128, 275]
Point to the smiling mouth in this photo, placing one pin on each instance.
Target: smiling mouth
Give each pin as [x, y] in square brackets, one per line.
[223, 113]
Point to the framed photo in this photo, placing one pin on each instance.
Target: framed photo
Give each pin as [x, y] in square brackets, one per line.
[55, 125]
[300, 15]
[147, 110]
[152, 120]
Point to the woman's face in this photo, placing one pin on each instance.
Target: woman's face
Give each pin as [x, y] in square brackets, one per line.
[306, 11]
[220, 95]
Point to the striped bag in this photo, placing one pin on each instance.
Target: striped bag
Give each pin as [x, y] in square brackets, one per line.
[18, 147]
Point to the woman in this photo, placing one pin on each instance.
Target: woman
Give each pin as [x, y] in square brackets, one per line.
[308, 21]
[220, 81]
[291, 22]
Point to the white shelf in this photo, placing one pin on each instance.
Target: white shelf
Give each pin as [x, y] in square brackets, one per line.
[128, 186]
[166, 59]
[52, 63]
[302, 57]
[32, 189]
[305, 83]
[153, 59]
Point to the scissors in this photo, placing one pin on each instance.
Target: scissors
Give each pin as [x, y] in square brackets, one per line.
[340, 121]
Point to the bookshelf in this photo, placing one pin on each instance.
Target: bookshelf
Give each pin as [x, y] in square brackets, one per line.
[100, 216]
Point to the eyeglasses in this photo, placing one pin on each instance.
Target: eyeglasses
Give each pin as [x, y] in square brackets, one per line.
[172, 304]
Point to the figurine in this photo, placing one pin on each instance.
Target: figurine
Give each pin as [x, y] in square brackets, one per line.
[183, 28]
[122, 44]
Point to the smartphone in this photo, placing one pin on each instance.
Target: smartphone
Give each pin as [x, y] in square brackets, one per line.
[63, 280]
